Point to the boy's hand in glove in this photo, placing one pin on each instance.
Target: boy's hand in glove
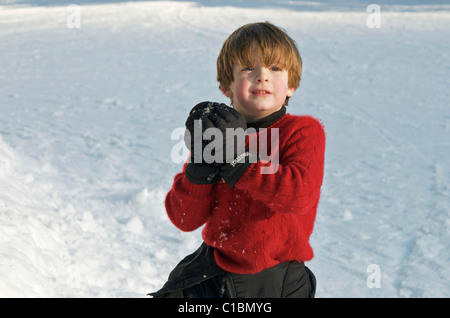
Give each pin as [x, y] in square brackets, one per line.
[193, 136]
[235, 158]
[197, 170]
[232, 126]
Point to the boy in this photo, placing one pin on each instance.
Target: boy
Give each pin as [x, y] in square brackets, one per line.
[257, 222]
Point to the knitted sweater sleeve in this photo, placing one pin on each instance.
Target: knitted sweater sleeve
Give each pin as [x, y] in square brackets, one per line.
[188, 205]
[295, 184]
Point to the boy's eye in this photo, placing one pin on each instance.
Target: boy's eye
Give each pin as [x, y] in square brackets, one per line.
[272, 68]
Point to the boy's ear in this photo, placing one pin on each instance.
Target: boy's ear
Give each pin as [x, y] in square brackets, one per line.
[226, 91]
[290, 92]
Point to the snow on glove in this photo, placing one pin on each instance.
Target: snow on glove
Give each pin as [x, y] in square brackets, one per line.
[193, 136]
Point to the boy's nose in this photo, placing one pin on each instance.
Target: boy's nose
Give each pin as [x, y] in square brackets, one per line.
[261, 75]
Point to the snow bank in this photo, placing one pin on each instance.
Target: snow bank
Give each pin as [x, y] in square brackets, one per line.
[53, 245]
[32, 253]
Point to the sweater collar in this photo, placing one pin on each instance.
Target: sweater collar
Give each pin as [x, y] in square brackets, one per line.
[268, 120]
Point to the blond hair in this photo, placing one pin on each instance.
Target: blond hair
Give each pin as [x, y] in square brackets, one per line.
[269, 43]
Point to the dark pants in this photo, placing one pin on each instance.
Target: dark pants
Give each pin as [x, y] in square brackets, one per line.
[198, 276]
[286, 280]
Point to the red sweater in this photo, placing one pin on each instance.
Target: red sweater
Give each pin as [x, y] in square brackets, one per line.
[266, 219]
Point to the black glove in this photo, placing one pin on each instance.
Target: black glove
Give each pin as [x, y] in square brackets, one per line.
[197, 170]
[202, 173]
[235, 157]
[232, 126]
[193, 136]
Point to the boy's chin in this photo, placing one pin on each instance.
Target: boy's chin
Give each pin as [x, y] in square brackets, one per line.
[254, 111]
[262, 106]
[264, 109]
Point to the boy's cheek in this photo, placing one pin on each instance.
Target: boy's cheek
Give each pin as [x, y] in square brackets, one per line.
[243, 88]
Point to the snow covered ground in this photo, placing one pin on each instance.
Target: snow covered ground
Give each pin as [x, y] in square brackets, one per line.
[87, 113]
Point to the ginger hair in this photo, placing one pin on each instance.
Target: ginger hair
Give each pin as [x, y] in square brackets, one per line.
[269, 43]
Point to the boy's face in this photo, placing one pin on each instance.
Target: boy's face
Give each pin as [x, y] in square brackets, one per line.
[257, 91]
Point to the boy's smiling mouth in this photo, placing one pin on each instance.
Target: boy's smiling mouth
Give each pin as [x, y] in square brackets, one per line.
[261, 92]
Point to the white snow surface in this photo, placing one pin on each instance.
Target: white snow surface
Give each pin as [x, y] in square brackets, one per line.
[86, 117]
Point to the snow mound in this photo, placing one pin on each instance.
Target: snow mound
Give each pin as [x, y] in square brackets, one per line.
[33, 256]
[51, 245]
